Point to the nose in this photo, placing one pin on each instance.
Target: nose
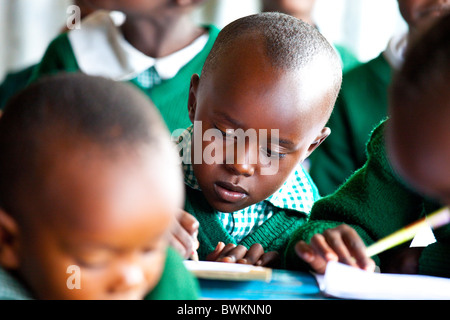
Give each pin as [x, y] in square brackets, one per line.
[242, 160]
[129, 277]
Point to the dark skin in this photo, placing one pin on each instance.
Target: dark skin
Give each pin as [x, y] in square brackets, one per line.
[159, 28]
[301, 9]
[110, 219]
[425, 172]
[156, 28]
[342, 243]
[245, 81]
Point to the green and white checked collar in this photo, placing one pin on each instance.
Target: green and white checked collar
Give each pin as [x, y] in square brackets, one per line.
[297, 193]
[11, 288]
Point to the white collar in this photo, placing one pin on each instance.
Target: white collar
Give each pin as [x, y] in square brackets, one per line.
[395, 50]
[101, 50]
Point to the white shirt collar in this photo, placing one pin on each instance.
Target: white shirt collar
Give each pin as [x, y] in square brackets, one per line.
[395, 50]
[101, 50]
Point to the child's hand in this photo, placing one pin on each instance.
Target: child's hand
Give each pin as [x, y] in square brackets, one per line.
[184, 233]
[239, 254]
[341, 244]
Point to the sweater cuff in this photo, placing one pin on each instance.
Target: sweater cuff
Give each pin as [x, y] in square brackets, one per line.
[435, 260]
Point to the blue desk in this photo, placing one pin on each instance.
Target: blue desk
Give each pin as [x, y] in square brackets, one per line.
[285, 285]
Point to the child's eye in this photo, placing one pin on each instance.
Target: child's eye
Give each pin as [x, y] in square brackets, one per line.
[273, 154]
[224, 133]
[92, 264]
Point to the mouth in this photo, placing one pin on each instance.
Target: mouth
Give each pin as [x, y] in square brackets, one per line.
[435, 11]
[229, 192]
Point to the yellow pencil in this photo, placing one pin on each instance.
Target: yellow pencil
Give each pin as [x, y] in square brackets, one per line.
[434, 220]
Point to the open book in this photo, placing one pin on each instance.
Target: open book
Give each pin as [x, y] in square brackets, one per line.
[227, 271]
[346, 282]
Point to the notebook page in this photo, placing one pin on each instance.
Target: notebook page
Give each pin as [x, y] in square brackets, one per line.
[346, 282]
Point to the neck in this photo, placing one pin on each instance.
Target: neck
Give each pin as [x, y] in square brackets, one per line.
[160, 36]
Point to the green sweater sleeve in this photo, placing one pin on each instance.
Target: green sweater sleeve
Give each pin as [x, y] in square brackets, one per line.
[273, 234]
[176, 282]
[373, 201]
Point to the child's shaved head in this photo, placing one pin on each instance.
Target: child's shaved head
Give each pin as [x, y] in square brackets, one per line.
[419, 131]
[290, 44]
[62, 111]
[88, 178]
[268, 72]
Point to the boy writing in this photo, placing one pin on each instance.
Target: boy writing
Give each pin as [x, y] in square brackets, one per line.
[157, 48]
[88, 182]
[375, 201]
[275, 76]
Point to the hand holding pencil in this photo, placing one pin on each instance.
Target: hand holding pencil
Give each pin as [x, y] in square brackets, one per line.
[343, 244]
[184, 236]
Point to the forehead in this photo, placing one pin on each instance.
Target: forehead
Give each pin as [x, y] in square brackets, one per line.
[247, 86]
[89, 189]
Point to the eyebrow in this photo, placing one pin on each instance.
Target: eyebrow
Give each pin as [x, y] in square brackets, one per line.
[229, 119]
[238, 124]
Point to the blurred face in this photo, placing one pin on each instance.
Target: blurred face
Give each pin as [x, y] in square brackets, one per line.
[419, 12]
[422, 157]
[290, 6]
[130, 6]
[244, 91]
[301, 9]
[104, 226]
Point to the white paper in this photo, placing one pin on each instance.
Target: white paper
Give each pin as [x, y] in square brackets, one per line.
[346, 282]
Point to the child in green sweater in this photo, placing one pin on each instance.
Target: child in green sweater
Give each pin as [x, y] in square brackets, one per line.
[376, 201]
[157, 48]
[259, 109]
[363, 102]
[89, 187]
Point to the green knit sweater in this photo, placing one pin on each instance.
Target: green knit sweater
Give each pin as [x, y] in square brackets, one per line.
[170, 97]
[273, 234]
[375, 203]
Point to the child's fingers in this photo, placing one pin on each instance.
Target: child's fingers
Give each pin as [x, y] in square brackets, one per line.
[307, 253]
[253, 254]
[232, 253]
[213, 256]
[357, 249]
[182, 241]
[321, 247]
[189, 222]
[271, 258]
[335, 240]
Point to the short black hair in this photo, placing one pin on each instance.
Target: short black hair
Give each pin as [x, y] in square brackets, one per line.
[107, 113]
[425, 74]
[290, 43]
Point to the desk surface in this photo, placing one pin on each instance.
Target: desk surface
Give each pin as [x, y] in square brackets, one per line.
[285, 285]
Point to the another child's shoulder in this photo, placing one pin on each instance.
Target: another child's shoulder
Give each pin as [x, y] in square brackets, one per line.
[176, 282]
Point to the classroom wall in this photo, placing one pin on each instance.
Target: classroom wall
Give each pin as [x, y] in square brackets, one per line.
[27, 26]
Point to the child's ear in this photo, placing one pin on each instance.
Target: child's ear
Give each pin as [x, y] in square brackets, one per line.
[317, 142]
[192, 102]
[9, 238]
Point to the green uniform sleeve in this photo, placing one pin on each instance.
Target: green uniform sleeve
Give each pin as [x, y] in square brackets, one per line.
[176, 282]
[373, 201]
